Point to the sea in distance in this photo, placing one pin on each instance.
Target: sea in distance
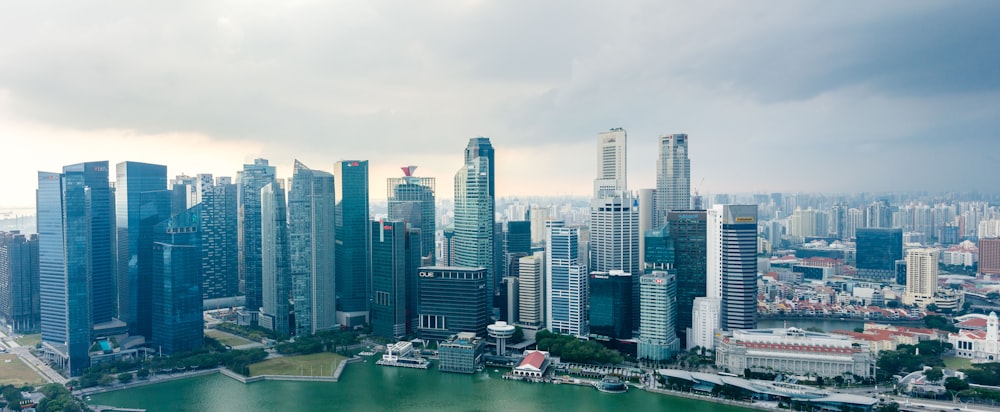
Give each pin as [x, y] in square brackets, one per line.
[367, 387]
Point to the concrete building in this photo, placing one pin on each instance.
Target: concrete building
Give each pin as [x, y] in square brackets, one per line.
[704, 323]
[462, 353]
[657, 336]
[673, 177]
[921, 277]
[614, 238]
[612, 155]
[793, 351]
[565, 282]
[989, 256]
[531, 290]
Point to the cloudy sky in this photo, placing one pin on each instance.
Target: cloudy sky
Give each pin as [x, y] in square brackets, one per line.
[775, 96]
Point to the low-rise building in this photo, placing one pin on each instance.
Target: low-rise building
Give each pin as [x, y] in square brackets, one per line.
[793, 351]
[533, 365]
[463, 353]
[978, 345]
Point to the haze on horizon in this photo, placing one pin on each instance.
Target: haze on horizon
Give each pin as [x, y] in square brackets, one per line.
[775, 96]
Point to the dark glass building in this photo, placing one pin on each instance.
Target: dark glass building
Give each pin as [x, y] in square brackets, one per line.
[92, 192]
[411, 199]
[353, 242]
[142, 201]
[739, 266]
[19, 296]
[659, 249]
[177, 323]
[611, 304]
[219, 240]
[276, 272]
[878, 249]
[451, 300]
[687, 229]
[390, 261]
[250, 180]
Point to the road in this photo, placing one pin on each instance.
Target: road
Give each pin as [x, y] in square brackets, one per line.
[29, 359]
[921, 404]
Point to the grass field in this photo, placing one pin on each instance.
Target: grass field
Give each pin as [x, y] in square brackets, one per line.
[29, 340]
[316, 364]
[957, 363]
[15, 372]
[227, 338]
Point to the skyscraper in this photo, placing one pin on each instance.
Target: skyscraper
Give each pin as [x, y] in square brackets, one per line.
[311, 237]
[142, 202]
[175, 283]
[251, 179]
[732, 263]
[566, 282]
[921, 276]
[673, 177]
[474, 212]
[451, 300]
[878, 249]
[611, 162]
[19, 294]
[610, 313]
[276, 276]
[687, 229]
[657, 337]
[219, 238]
[531, 290]
[353, 251]
[614, 239]
[389, 278]
[411, 199]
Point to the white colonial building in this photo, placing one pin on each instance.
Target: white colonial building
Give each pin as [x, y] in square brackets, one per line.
[978, 345]
[793, 351]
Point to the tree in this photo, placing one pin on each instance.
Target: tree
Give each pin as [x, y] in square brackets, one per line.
[889, 407]
[932, 307]
[934, 374]
[955, 384]
[125, 377]
[142, 373]
[518, 335]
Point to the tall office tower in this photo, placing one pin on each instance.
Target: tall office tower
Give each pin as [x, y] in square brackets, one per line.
[19, 294]
[183, 193]
[989, 256]
[474, 217]
[250, 180]
[451, 300]
[75, 213]
[219, 238]
[611, 162]
[539, 215]
[921, 276]
[657, 331]
[687, 229]
[878, 249]
[176, 318]
[673, 177]
[660, 251]
[878, 214]
[610, 313]
[390, 263]
[516, 244]
[647, 211]
[531, 290]
[566, 282]
[732, 263]
[276, 276]
[411, 199]
[353, 251]
[614, 239]
[142, 201]
[311, 238]
[448, 246]
[705, 321]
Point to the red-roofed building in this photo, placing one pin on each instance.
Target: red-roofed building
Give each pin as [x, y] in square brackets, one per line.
[533, 364]
[978, 345]
[793, 351]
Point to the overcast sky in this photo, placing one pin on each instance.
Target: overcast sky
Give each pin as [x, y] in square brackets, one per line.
[775, 96]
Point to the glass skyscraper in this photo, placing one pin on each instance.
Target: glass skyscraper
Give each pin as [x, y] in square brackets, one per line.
[878, 249]
[389, 278]
[687, 229]
[276, 276]
[411, 199]
[614, 239]
[474, 240]
[219, 238]
[311, 236]
[611, 304]
[250, 180]
[142, 202]
[176, 298]
[566, 283]
[353, 251]
[19, 298]
[451, 300]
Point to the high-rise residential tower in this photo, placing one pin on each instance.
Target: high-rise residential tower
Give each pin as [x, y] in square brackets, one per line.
[142, 201]
[921, 276]
[474, 212]
[732, 263]
[276, 276]
[673, 177]
[250, 180]
[311, 236]
[353, 234]
[411, 199]
[566, 281]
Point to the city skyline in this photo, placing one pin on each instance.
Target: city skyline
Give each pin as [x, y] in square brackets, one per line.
[796, 96]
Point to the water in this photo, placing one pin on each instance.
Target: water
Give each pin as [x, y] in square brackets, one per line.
[826, 324]
[366, 387]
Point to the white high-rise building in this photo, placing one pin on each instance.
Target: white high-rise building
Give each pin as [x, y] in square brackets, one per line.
[658, 302]
[565, 282]
[704, 322]
[673, 177]
[611, 161]
[531, 290]
[921, 276]
[646, 215]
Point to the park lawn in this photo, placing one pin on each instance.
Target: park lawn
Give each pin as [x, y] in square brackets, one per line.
[227, 338]
[954, 362]
[29, 340]
[299, 365]
[15, 372]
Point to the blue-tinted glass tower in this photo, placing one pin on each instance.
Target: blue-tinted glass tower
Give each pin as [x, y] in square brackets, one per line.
[389, 278]
[276, 276]
[411, 199]
[353, 251]
[311, 237]
[687, 228]
[176, 298]
[219, 239]
[19, 299]
[250, 180]
[474, 241]
[878, 249]
[611, 305]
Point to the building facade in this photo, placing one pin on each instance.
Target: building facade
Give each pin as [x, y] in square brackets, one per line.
[312, 239]
[19, 293]
[878, 249]
[451, 300]
[411, 199]
[276, 272]
[657, 331]
[176, 298]
[219, 237]
[565, 282]
[673, 177]
[921, 277]
[732, 263]
[250, 180]
[707, 313]
[793, 351]
[989, 256]
[688, 231]
[389, 278]
[353, 236]
[463, 353]
[531, 290]
[610, 313]
[474, 239]
[614, 238]
[612, 155]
